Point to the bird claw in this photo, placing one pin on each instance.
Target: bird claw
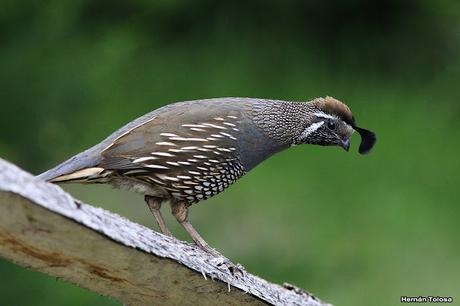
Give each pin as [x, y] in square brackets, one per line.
[235, 270]
[221, 262]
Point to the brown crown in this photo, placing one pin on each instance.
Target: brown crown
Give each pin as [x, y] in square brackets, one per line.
[332, 106]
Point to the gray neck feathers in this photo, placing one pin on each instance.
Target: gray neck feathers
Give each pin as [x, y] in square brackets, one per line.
[282, 121]
[273, 127]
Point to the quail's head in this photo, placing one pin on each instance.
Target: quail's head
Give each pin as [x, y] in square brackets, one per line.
[331, 123]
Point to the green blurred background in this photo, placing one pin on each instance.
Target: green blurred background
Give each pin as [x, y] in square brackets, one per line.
[355, 230]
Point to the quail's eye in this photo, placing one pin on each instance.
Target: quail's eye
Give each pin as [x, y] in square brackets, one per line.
[331, 125]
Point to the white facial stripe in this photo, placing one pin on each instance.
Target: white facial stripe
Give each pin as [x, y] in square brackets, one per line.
[312, 128]
[324, 115]
[327, 116]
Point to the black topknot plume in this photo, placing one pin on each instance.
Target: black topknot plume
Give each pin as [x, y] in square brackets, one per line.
[368, 140]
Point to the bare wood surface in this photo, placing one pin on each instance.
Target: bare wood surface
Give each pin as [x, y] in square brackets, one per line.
[45, 229]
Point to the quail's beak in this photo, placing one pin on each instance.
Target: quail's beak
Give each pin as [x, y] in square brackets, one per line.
[345, 144]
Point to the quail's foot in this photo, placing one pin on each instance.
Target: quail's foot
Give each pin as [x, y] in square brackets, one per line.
[236, 270]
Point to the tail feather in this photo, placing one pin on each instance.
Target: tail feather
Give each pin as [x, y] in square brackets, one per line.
[83, 165]
[83, 175]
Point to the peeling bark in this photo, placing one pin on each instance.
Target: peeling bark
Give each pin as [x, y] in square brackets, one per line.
[45, 229]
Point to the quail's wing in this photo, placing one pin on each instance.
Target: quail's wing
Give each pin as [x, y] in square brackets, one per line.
[183, 131]
[180, 147]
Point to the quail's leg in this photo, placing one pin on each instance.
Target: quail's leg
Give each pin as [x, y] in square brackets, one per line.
[180, 212]
[155, 204]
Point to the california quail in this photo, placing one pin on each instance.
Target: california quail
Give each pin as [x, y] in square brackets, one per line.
[190, 151]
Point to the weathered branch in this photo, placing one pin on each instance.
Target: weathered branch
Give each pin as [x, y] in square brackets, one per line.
[45, 229]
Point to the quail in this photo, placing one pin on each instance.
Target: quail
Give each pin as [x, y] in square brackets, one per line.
[187, 152]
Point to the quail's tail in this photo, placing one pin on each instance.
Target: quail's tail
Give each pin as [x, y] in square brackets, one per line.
[87, 175]
[82, 167]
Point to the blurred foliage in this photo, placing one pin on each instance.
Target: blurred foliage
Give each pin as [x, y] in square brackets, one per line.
[352, 229]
